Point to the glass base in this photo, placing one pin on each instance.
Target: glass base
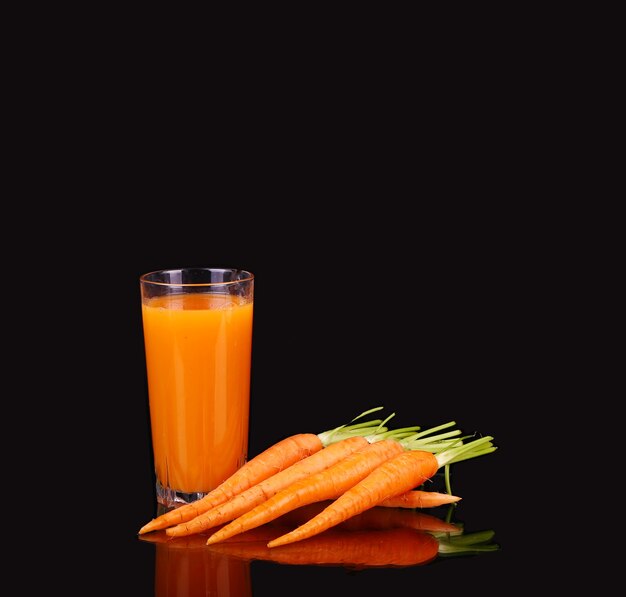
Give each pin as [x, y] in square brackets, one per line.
[170, 498]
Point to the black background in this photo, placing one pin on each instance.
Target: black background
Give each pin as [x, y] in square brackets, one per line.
[398, 264]
[405, 207]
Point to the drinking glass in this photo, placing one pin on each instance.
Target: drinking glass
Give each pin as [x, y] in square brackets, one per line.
[197, 326]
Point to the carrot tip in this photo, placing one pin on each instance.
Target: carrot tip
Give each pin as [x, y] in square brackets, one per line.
[153, 525]
[277, 542]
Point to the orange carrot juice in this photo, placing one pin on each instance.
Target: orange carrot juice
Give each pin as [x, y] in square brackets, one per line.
[198, 357]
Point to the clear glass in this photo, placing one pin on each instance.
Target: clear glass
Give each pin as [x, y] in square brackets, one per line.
[197, 325]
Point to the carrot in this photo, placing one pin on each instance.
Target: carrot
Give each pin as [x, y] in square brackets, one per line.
[321, 486]
[374, 518]
[245, 501]
[392, 477]
[398, 547]
[419, 499]
[256, 495]
[277, 457]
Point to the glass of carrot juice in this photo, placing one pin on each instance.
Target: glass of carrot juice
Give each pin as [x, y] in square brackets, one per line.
[197, 326]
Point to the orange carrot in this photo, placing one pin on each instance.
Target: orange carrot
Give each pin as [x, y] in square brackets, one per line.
[371, 519]
[272, 460]
[395, 476]
[321, 486]
[254, 496]
[419, 499]
[245, 501]
[388, 548]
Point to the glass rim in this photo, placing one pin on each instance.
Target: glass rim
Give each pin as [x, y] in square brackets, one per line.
[247, 276]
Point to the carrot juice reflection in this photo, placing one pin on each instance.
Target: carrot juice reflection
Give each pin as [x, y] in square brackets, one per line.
[187, 568]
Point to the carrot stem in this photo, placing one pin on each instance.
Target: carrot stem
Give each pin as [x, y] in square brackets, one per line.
[475, 448]
[447, 479]
[349, 430]
[433, 429]
[387, 419]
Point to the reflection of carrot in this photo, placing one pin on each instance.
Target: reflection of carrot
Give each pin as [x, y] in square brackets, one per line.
[393, 477]
[245, 501]
[353, 549]
[321, 486]
[275, 458]
[339, 546]
[262, 534]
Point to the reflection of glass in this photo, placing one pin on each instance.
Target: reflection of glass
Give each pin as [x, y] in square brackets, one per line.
[188, 568]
